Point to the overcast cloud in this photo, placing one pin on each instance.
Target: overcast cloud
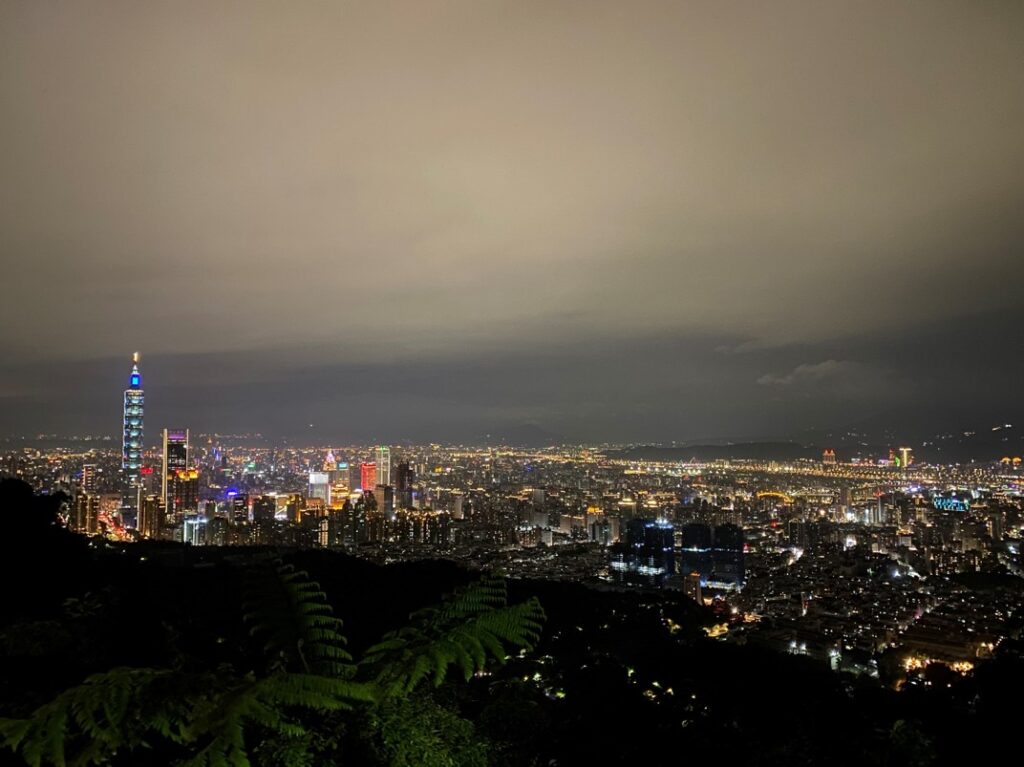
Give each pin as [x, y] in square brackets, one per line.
[613, 220]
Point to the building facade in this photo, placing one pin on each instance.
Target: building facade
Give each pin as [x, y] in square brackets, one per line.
[131, 445]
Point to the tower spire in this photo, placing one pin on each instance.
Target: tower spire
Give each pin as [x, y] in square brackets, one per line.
[136, 377]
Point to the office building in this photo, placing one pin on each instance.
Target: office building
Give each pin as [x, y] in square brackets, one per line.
[320, 486]
[383, 466]
[175, 459]
[368, 477]
[403, 485]
[89, 478]
[648, 552]
[716, 554]
[151, 512]
[85, 513]
[183, 493]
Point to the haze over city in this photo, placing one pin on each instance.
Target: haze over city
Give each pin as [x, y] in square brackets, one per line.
[441, 221]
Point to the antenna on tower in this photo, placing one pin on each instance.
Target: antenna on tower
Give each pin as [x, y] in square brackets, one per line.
[135, 357]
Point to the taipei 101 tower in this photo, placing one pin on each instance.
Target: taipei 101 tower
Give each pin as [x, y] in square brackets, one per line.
[131, 449]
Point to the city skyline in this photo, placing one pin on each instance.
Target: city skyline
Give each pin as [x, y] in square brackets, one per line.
[435, 221]
[548, 382]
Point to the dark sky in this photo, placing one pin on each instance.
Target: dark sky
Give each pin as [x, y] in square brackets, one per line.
[437, 220]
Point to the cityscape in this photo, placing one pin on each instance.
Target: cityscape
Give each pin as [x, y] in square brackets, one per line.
[847, 561]
[548, 383]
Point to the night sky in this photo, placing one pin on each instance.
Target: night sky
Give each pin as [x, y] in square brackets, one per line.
[441, 220]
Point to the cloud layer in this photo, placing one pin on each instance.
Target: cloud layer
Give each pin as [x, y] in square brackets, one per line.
[541, 211]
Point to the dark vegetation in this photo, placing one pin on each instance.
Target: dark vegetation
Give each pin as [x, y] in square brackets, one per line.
[231, 656]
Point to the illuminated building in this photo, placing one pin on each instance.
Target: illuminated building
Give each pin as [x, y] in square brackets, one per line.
[383, 466]
[194, 530]
[368, 477]
[429, 527]
[175, 459]
[293, 507]
[320, 486]
[85, 513]
[239, 507]
[183, 492]
[604, 530]
[150, 516]
[131, 445]
[828, 456]
[649, 551]
[716, 555]
[89, 478]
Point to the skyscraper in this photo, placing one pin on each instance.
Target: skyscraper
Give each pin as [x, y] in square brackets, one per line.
[368, 477]
[131, 446]
[89, 478]
[85, 513]
[320, 486]
[150, 516]
[183, 493]
[175, 459]
[403, 485]
[383, 465]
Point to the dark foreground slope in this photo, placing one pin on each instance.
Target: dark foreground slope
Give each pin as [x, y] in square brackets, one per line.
[617, 678]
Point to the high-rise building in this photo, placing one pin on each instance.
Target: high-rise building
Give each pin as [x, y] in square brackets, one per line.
[239, 511]
[383, 465]
[320, 486]
[85, 513]
[385, 496]
[89, 478]
[131, 445]
[906, 457]
[264, 508]
[368, 477]
[175, 459]
[648, 550]
[717, 555]
[403, 485]
[183, 493]
[150, 516]
[354, 476]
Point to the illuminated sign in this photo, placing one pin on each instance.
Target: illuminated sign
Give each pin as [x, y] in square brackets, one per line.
[951, 504]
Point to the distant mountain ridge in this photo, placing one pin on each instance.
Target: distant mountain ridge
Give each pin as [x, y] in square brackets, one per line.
[966, 446]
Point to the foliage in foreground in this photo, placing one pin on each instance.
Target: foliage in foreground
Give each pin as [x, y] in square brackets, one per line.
[293, 701]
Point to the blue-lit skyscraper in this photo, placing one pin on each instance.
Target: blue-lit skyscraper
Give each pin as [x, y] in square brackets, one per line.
[131, 447]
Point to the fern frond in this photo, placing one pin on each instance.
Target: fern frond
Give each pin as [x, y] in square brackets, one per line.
[110, 711]
[469, 628]
[222, 720]
[290, 613]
